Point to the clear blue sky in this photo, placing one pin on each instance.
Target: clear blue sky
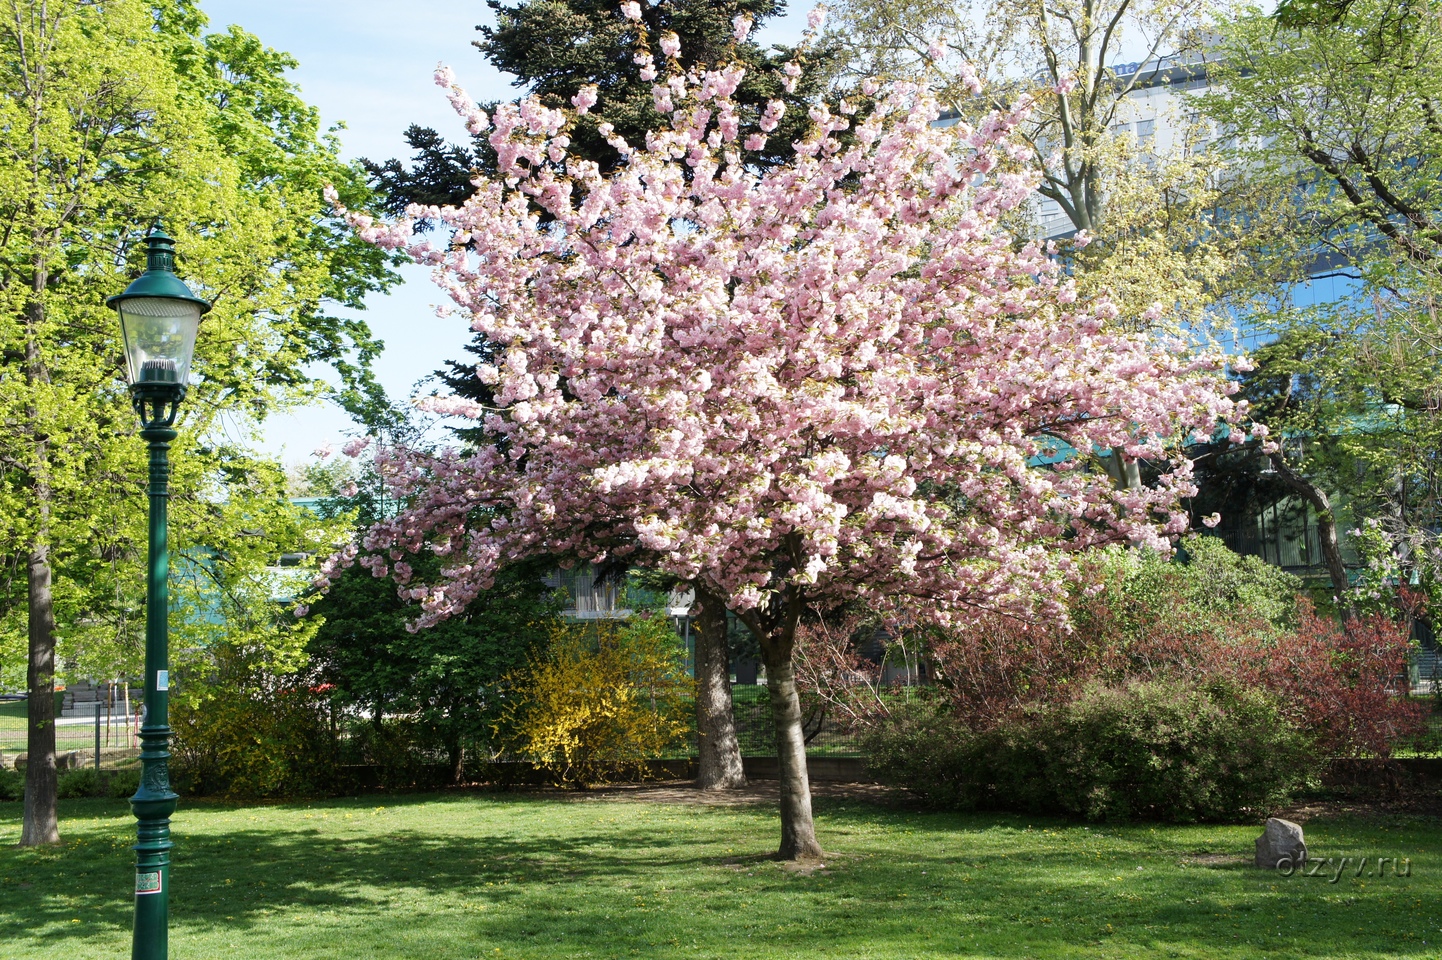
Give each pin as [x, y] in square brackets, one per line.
[368, 64]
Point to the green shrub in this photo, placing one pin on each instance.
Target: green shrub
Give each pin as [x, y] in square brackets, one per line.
[1159, 750]
[247, 733]
[12, 785]
[122, 784]
[85, 782]
[923, 748]
[1166, 751]
[395, 748]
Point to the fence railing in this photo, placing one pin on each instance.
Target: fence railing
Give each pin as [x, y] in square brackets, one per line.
[79, 741]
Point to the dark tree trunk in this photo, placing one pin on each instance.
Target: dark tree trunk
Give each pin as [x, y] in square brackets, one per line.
[41, 821]
[719, 763]
[457, 760]
[798, 828]
[1326, 530]
[41, 816]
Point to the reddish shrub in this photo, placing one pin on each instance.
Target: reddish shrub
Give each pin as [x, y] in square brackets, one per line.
[1345, 685]
[1342, 685]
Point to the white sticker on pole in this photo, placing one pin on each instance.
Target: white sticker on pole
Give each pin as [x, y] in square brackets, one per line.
[162, 679]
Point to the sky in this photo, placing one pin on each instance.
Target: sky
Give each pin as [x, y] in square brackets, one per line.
[368, 64]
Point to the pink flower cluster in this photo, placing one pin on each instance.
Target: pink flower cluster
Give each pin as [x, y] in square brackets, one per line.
[837, 378]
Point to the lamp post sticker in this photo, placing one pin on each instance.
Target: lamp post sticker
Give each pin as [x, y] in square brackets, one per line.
[162, 679]
[147, 882]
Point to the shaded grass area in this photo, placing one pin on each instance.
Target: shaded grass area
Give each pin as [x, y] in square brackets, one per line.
[473, 875]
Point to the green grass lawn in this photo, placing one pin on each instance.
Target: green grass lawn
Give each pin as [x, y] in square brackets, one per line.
[471, 876]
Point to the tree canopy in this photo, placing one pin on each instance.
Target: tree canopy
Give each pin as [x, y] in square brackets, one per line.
[553, 48]
[1337, 124]
[115, 115]
[788, 391]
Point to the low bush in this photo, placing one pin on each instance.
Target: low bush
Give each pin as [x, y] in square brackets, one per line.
[603, 700]
[89, 782]
[1154, 750]
[1167, 751]
[247, 733]
[122, 784]
[1137, 617]
[12, 785]
[922, 747]
[85, 782]
[395, 749]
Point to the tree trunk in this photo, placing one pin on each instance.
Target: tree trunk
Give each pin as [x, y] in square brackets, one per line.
[1326, 530]
[41, 817]
[798, 828]
[1125, 472]
[719, 763]
[457, 760]
[41, 821]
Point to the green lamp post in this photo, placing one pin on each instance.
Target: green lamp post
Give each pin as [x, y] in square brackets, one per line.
[159, 317]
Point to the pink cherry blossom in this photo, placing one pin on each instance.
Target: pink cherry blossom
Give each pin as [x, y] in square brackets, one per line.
[769, 401]
[354, 448]
[585, 98]
[795, 388]
[631, 10]
[969, 78]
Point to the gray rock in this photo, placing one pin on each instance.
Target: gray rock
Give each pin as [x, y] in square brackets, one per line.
[1281, 840]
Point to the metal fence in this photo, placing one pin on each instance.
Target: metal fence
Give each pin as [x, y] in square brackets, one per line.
[79, 741]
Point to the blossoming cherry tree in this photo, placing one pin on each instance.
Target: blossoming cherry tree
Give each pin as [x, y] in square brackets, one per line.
[795, 389]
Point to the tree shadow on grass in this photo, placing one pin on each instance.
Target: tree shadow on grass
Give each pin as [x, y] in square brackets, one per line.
[540, 874]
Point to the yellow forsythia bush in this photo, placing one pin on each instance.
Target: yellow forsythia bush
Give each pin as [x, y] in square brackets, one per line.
[606, 697]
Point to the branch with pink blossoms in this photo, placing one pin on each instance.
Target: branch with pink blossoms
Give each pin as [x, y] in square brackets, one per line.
[829, 380]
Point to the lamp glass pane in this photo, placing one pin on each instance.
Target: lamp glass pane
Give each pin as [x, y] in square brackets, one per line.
[159, 338]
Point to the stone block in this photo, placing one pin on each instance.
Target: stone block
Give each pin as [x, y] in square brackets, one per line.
[1281, 840]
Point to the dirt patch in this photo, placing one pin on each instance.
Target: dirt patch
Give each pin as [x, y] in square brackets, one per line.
[1415, 805]
[1216, 860]
[755, 792]
[806, 868]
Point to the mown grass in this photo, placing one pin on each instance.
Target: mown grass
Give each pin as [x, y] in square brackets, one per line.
[485, 875]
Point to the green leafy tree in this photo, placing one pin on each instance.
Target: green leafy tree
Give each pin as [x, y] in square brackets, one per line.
[553, 48]
[109, 115]
[448, 678]
[1337, 123]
